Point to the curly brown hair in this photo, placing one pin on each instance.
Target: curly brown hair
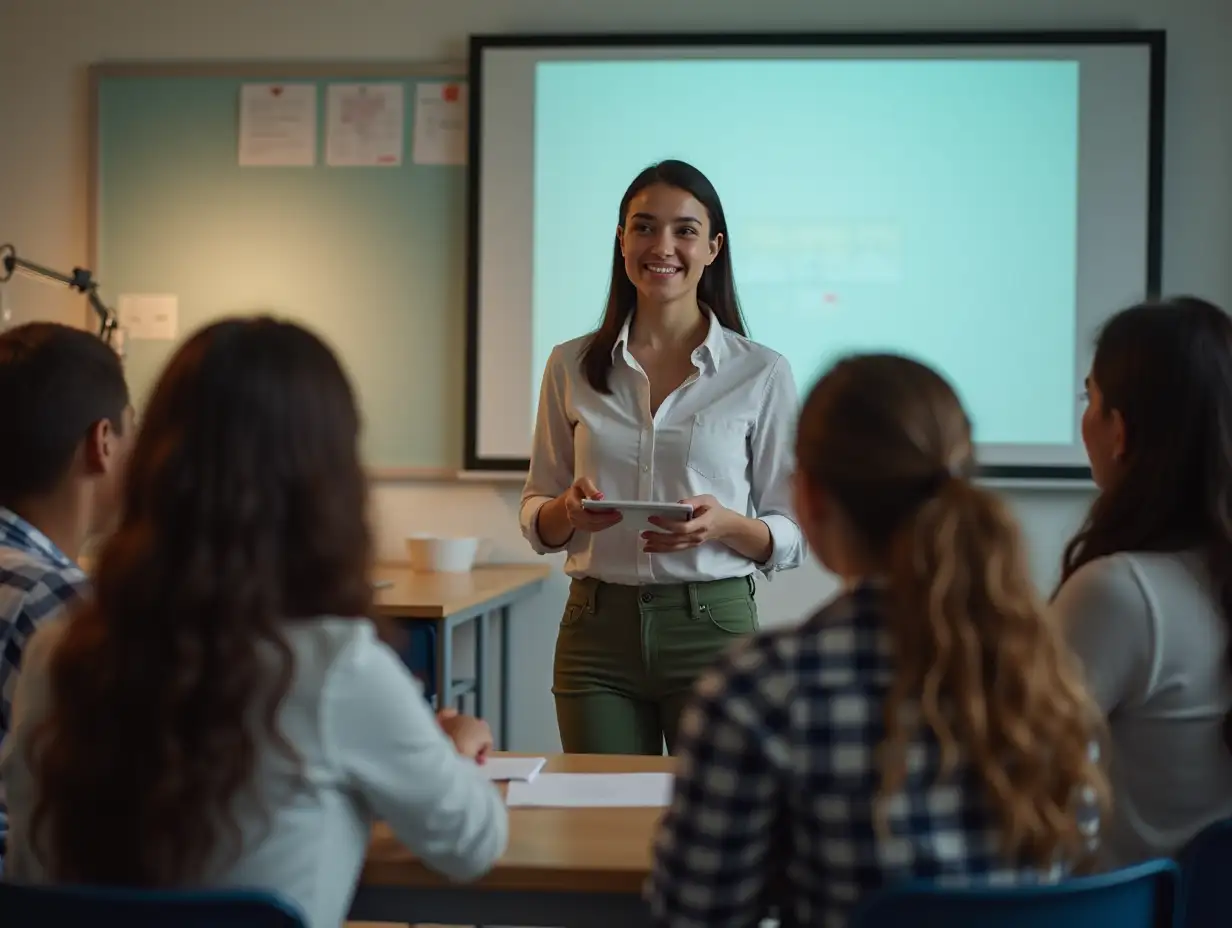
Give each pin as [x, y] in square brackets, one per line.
[976, 650]
[244, 509]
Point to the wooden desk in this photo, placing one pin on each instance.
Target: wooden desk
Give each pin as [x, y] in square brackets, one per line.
[563, 867]
[448, 600]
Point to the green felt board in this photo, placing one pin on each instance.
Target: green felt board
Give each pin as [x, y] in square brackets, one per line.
[371, 258]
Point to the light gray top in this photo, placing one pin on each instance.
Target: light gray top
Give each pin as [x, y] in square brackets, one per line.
[1154, 643]
[370, 748]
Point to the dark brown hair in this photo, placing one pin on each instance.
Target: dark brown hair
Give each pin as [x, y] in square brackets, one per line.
[243, 510]
[1166, 367]
[887, 439]
[56, 382]
[717, 287]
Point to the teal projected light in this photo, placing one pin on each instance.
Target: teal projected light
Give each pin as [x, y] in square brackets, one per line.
[925, 207]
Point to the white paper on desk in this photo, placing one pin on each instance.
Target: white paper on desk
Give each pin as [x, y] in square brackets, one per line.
[524, 769]
[278, 125]
[440, 123]
[593, 790]
[364, 125]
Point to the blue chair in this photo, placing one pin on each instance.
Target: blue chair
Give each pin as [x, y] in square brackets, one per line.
[1143, 896]
[1206, 862]
[89, 906]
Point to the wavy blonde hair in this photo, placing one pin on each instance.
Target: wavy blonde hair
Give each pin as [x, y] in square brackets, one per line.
[976, 651]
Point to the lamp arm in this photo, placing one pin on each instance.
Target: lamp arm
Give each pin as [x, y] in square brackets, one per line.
[80, 280]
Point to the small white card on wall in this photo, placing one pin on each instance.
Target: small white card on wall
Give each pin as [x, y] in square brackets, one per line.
[149, 316]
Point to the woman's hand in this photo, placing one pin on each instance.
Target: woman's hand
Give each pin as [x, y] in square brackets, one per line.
[711, 522]
[561, 517]
[581, 518]
[471, 736]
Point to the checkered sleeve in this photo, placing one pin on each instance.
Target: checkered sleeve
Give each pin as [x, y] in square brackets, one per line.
[713, 854]
[39, 596]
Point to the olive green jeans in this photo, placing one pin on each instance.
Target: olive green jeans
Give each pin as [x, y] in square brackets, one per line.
[627, 658]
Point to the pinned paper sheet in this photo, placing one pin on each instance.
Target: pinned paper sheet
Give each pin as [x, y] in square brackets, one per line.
[149, 316]
[593, 790]
[440, 123]
[278, 125]
[364, 125]
[524, 769]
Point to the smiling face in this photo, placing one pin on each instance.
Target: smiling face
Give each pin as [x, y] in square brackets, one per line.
[667, 243]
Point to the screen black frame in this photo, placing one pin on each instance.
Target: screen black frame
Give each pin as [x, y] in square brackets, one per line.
[1154, 40]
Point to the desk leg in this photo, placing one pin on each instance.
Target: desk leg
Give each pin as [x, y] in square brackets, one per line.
[504, 678]
[481, 665]
[444, 665]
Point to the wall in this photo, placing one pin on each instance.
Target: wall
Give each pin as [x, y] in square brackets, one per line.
[46, 46]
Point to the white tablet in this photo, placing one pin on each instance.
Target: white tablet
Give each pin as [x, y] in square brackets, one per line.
[676, 512]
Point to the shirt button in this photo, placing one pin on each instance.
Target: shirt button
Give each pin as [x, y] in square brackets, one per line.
[645, 468]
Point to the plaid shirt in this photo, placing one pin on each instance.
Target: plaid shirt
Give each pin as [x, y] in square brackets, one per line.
[36, 580]
[774, 795]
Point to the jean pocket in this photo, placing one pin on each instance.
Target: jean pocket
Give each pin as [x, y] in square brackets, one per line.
[573, 614]
[734, 616]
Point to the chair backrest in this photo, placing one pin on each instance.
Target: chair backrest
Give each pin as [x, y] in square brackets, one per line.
[1206, 861]
[1142, 896]
[88, 907]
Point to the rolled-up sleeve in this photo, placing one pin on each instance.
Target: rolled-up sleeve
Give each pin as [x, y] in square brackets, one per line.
[379, 730]
[773, 458]
[551, 454]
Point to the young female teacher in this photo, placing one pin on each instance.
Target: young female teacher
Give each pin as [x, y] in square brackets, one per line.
[668, 400]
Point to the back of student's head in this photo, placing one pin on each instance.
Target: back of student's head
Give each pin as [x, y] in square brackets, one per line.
[1163, 371]
[884, 450]
[244, 510]
[58, 385]
[1159, 433]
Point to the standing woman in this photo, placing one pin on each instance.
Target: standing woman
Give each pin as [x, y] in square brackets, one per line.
[667, 400]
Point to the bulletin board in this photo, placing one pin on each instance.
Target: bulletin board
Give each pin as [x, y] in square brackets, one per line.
[353, 226]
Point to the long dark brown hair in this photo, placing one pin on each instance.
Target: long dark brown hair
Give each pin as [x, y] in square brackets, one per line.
[244, 509]
[974, 647]
[717, 287]
[1166, 367]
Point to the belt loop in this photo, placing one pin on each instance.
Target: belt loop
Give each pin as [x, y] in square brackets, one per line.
[752, 585]
[696, 609]
[592, 595]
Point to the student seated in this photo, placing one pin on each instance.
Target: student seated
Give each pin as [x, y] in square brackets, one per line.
[66, 428]
[221, 713]
[1146, 594]
[925, 724]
